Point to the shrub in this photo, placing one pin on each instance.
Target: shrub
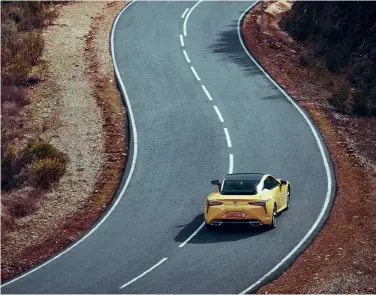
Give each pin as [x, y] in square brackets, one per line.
[28, 15]
[365, 99]
[44, 172]
[7, 221]
[304, 59]
[47, 164]
[41, 149]
[26, 165]
[333, 61]
[17, 67]
[362, 71]
[9, 167]
[340, 98]
[21, 202]
[33, 45]
[8, 109]
[22, 50]
[14, 94]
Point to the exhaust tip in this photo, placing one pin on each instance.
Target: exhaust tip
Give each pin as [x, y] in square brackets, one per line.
[255, 223]
[216, 223]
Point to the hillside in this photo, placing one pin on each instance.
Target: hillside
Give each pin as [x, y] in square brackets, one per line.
[343, 35]
[300, 58]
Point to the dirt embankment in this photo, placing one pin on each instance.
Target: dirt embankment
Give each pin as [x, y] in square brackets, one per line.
[81, 111]
[341, 258]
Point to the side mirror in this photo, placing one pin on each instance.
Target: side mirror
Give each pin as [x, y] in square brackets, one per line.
[283, 182]
[215, 182]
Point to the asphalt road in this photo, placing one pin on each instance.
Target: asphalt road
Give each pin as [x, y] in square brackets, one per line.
[181, 146]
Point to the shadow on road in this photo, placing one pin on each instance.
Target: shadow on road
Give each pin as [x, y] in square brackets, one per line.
[221, 234]
[229, 47]
[278, 96]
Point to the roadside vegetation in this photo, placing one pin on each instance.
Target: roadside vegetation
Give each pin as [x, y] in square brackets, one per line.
[29, 165]
[343, 36]
[63, 142]
[328, 69]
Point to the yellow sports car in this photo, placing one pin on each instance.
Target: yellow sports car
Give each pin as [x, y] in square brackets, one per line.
[251, 198]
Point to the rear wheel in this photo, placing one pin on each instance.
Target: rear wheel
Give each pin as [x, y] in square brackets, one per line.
[288, 198]
[208, 226]
[274, 218]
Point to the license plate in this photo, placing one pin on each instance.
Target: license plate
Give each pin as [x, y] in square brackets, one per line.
[235, 214]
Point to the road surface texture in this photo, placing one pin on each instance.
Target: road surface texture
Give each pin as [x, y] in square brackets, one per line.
[200, 108]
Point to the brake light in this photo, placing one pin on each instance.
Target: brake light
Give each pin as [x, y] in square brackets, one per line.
[258, 203]
[214, 203]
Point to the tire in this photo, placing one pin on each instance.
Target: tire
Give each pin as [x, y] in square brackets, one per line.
[288, 198]
[209, 227]
[274, 218]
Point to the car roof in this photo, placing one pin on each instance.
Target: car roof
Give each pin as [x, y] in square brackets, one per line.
[245, 176]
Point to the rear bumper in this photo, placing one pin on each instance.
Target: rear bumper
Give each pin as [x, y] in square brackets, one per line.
[254, 215]
[252, 222]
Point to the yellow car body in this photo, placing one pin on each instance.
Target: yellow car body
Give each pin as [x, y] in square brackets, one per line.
[251, 198]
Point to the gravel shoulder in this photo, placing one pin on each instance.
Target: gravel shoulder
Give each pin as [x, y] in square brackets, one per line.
[341, 259]
[80, 111]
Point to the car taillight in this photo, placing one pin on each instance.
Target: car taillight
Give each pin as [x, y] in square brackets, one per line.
[257, 203]
[214, 203]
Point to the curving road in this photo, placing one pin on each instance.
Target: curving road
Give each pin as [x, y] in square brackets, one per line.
[184, 84]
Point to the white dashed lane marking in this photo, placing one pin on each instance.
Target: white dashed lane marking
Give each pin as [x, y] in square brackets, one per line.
[186, 56]
[206, 92]
[218, 113]
[227, 137]
[195, 73]
[184, 13]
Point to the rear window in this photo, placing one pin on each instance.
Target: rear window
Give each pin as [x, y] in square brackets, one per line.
[240, 187]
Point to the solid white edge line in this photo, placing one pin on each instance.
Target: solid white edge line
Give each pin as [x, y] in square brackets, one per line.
[185, 12]
[186, 56]
[231, 165]
[186, 19]
[133, 125]
[192, 235]
[227, 137]
[206, 92]
[325, 160]
[218, 113]
[144, 273]
[181, 40]
[195, 73]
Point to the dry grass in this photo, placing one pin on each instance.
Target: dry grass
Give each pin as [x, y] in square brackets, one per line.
[99, 71]
[16, 204]
[44, 172]
[28, 15]
[38, 164]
